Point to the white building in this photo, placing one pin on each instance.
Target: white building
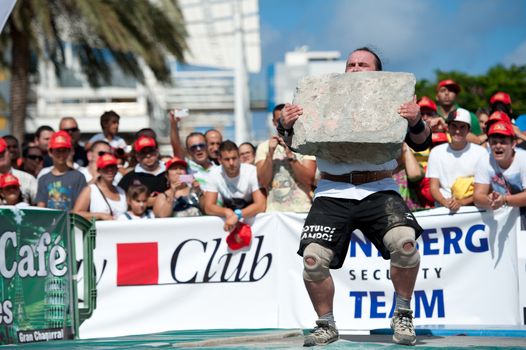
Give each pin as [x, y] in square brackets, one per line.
[284, 76]
[223, 35]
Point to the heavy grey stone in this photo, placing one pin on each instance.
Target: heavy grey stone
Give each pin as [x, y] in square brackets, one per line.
[352, 117]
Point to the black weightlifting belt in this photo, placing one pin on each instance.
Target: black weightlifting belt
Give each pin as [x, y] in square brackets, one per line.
[358, 177]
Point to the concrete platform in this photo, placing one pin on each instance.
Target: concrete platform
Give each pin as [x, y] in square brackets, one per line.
[286, 339]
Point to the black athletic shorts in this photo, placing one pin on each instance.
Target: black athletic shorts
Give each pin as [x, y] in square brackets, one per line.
[331, 221]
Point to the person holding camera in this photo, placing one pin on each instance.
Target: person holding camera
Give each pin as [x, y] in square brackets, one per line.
[287, 177]
[182, 197]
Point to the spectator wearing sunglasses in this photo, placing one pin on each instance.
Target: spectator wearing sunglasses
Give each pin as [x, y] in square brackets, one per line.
[149, 171]
[28, 182]
[70, 125]
[196, 152]
[91, 171]
[32, 160]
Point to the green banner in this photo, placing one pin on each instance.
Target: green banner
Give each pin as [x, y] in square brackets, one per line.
[36, 286]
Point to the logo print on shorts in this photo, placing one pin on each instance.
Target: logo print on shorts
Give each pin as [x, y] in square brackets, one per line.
[318, 232]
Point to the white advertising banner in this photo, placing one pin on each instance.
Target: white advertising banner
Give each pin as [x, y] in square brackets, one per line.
[168, 274]
[467, 261]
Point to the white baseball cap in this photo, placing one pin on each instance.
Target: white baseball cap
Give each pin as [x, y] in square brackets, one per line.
[459, 115]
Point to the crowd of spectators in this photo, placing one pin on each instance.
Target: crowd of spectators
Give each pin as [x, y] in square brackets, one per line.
[475, 159]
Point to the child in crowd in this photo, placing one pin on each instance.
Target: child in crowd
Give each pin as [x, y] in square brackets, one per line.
[61, 186]
[10, 193]
[137, 198]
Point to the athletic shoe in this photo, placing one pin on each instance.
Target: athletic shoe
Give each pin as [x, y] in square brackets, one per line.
[323, 334]
[403, 329]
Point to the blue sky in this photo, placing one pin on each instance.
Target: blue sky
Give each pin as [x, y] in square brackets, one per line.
[417, 36]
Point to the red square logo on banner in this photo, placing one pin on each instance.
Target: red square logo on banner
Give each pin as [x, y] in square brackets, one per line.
[137, 264]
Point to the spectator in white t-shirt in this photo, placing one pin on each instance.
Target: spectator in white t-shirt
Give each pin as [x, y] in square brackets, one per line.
[237, 185]
[500, 177]
[451, 166]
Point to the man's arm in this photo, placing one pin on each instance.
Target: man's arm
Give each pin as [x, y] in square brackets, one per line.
[419, 134]
[163, 206]
[210, 207]
[515, 200]
[264, 167]
[305, 172]
[259, 205]
[481, 195]
[175, 140]
[478, 140]
[450, 203]
[289, 114]
[411, 166]
[81, 207]
[434, 187]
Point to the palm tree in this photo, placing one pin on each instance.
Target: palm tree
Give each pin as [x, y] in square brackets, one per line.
[103, 31]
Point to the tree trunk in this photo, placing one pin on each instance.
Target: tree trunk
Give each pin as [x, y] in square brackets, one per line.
[20, 56]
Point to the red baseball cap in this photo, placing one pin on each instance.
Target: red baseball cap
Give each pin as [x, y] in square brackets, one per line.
[175, 160]
[439, 137]
[9, 179]
[240, 237]
[3, 145]
[427, 102]
[450, 83]
[143, 142]
[501, 128]
[105, 160]
[497, 116]
[60, 139]
[500, 97]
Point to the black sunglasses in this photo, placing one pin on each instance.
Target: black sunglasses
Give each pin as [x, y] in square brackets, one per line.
[101, 153]
[147, 151]
[196, 147]
[34, 157]
[71, 129]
